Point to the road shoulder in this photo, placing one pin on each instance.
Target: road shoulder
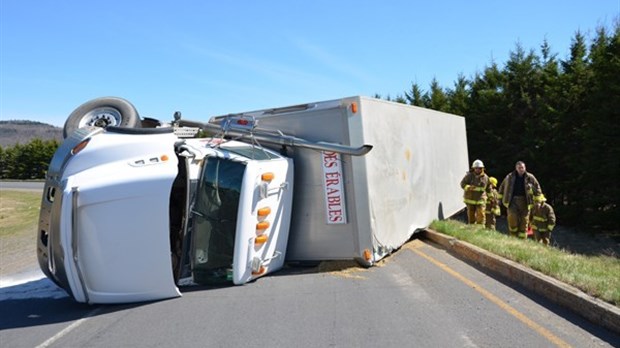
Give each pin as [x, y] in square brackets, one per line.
[591, 308]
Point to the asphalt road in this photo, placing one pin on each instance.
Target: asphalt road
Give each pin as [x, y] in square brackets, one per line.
[22, 185]
[420, 296]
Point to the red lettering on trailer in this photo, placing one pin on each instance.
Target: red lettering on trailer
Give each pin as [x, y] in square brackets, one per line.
[335, 216]
[331, 201]
[333, 188]
[331, 192]
[332, 179]
[330, 159]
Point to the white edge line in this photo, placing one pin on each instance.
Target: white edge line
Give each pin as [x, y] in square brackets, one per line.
[68, 329]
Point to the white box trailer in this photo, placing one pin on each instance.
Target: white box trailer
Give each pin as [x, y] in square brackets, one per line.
[131, 213]
[409, 178]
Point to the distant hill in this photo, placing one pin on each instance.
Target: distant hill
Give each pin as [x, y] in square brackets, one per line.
[18, 131]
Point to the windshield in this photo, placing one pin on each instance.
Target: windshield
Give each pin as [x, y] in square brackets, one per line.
[215, 220]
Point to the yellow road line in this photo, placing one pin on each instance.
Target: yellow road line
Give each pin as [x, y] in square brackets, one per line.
[511, 310]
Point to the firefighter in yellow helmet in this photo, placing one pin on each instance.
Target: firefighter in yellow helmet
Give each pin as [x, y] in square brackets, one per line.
[517, 192]
[543, 219]
[474, 185]
[492, 206]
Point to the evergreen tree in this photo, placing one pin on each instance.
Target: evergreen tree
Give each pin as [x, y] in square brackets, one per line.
[415, 96]
[548, 154]
[437, 100]
[522, 90]
[575, 82]
[28, 161]
[3, 163]
[400, 99]
[459, 96]
[488, 121]
[601, 132]
[559, 116]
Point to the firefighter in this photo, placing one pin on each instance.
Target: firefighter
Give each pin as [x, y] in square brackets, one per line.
[474, 185]
[543, 220]
[517, 192]
[492, 206]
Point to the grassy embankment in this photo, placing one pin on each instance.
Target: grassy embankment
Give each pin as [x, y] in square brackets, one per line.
[594, 275]
[19, 214]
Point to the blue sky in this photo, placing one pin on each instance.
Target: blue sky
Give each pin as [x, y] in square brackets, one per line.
[207, 58]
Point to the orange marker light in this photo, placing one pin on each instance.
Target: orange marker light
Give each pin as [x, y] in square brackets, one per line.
[79, 147]
[261, 239]
[354, 107]
[263, 211]
[267, 176]
[260, 271]
[263, 225]
[164, 158]
[367, 254]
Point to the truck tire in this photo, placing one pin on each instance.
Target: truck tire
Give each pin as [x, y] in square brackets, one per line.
[103, 112]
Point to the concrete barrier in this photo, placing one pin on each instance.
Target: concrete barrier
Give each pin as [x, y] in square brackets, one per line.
[591, 308]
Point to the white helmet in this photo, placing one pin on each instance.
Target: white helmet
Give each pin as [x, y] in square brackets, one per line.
[477, 164]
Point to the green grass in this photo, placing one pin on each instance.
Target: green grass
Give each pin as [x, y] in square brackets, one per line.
[19, 217]
[19, 211]
[597, 276]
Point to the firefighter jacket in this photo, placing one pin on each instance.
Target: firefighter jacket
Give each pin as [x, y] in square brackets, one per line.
[542, 217]
[532, 188]
[475, 187]
[492, 201]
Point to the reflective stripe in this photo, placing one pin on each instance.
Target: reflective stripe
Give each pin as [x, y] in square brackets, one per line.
[540, 218]
[500, 196]
[513, 229]
[471, 201]
[475, 188]
[496, 211]
[550, 227]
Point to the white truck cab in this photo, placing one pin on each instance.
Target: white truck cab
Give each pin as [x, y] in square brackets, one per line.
[116, 213]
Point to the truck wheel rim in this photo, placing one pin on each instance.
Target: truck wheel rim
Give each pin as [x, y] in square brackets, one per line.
[101, 117]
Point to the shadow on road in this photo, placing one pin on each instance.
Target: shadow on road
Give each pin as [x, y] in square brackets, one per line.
[41, 302]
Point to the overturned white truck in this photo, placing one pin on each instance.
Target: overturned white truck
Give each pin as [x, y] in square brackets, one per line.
[133, 208]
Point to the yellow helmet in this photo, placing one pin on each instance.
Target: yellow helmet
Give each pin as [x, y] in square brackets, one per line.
[493, 181]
